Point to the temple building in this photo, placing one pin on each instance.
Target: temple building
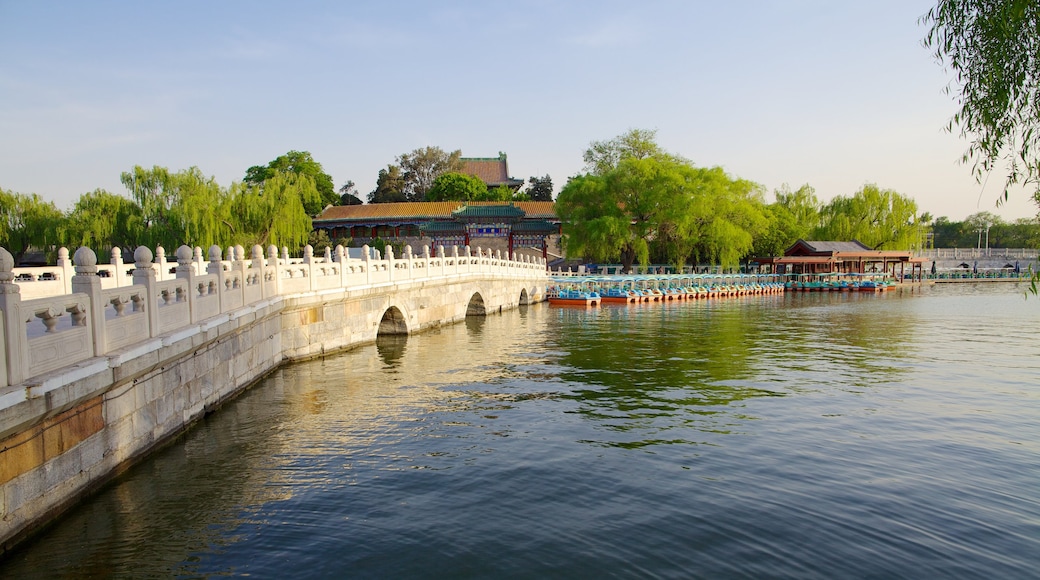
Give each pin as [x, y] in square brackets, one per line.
[493, 171]
[522, 226]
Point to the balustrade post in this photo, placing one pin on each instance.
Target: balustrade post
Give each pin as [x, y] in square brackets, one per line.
[186, 271]
[340, 259]
[238, 264]
[15, 360]
[86, 281]
[308, 264]
[117, 264]
[390, 261]
[145, 275]
[216, 267]
[274, 269]
[199, 262]
[367, 262]
[67, 271]
[161, 264]
[256, 266]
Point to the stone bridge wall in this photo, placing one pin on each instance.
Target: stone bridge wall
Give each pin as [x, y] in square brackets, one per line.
[95, 378]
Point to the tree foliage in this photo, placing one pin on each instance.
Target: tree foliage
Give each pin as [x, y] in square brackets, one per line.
[389, 186]
[422, 166]
[348, 195]
[794, 215]
[540, 188]
[456, 187]
[603, 156]
[300, 163]
[28, 222]
[272, 213]
[879, 218]
[101, 220]
[660, 205]
[993, 48]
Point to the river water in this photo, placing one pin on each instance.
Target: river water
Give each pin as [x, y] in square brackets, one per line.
[808, 435]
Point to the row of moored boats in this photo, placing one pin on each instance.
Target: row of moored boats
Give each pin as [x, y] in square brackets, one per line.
[596, 290]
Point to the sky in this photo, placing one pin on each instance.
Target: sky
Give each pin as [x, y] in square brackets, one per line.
[831, 93]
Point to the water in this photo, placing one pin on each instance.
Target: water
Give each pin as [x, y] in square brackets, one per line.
[810, 436]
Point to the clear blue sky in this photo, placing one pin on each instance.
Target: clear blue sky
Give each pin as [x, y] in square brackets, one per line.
[831, 93]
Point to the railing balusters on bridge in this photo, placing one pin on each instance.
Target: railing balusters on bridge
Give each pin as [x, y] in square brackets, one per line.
[58, 316]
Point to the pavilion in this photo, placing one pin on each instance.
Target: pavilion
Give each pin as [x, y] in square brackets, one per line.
[855, 257]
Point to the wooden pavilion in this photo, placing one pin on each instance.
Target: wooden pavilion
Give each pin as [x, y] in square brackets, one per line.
[821, 257]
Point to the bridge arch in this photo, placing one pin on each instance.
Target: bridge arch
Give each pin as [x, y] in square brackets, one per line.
[476, 305]
[525, 298]
[392, 323]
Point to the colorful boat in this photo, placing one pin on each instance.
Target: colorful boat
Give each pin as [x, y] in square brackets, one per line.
[564, 297]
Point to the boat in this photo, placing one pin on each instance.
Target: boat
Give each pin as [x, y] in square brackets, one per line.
[564, 297]
[620, 295]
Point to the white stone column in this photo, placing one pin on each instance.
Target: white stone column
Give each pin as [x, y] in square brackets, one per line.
[145, 275]
[117, 265]
[186, 272]
[67, 271]
[16, 351]
[86, 281]
[216, 267]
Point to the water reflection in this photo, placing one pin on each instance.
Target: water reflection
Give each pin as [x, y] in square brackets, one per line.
[391, 348]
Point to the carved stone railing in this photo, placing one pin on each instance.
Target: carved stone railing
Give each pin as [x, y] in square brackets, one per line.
[59, 316]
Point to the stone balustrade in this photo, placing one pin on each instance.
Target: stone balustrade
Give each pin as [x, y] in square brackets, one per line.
[63, 315]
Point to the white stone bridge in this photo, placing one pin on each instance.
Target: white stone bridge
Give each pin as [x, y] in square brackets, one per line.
[104, 362]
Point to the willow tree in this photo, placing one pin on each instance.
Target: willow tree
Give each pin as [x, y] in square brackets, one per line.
[300, 163]
[993, 49]
[272, 213]
[183, 207]
[101, 220]
[879, 218]
[616, 216]
[28, 222]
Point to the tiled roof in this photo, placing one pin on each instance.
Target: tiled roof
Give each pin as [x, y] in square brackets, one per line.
[534, 226]
[853, 246]
[442, 227]
[489, 210]
[491, 170]
[400, 210]
[427, 210]
[545, 210]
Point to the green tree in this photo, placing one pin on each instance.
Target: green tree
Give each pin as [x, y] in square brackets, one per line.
[28, 222]
[348, 195]
[879, 218]
[603, 156]
[993, 49]
[616, 215]
[178, 208]
[101, 221]
[793, 216]
[272, 213]
[301, 163]
[540, 188]
[456, 187]
[389, 186]
[422, 166]
[500, 193]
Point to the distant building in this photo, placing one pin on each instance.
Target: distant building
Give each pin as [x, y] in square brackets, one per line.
[493, 171]
[506, 226]
[819, 257]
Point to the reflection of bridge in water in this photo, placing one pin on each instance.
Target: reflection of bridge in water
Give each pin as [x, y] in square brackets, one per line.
[104, 362]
